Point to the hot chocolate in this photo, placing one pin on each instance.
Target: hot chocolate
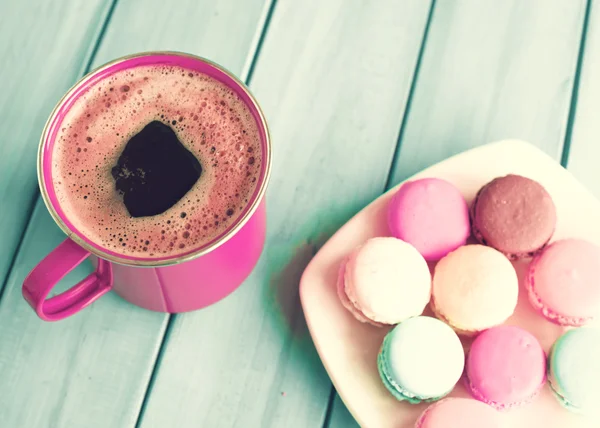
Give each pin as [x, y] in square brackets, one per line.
[156, 161]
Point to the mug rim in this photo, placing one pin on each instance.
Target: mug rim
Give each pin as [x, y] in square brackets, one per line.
[115, 257]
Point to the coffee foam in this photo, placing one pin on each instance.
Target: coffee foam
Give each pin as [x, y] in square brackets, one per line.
[208, 118]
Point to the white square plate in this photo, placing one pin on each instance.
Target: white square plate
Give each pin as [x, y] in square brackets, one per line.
[349, 348]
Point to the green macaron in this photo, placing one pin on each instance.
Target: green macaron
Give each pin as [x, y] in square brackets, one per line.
[421, 359]
[574, 370]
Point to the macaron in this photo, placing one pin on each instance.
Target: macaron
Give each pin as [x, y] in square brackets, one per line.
[385, 281]
[421, 359]
[432, 215]
[459, 413]
[574, 370]
[514, 215]
[346, 301]
[474, 288]
[563, 282]
[506, 367]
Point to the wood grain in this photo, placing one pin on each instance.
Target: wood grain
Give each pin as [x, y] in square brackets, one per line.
[225, 31]
[340, 416]
[584, 151]
[42, 53]
[93, 370]
[333, 79]
[490, 70]
[90, 370]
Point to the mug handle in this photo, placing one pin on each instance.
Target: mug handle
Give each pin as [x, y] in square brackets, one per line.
[62, 260]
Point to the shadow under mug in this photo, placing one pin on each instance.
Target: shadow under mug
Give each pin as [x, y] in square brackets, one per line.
[173, 284]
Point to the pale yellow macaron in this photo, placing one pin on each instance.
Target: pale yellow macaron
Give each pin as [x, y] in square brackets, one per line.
[474, 288]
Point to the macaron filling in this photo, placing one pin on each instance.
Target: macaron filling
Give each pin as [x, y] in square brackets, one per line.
[563, 282]
[393, 387]
[439, 315]
[474, 288]
[574, 370]
[538, 304]
[421, 359]
[476, 393]
[346, 302]
[506, 367]
[560, 396]
[397, 391]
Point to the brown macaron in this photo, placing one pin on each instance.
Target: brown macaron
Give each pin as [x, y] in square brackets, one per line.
[515, 215]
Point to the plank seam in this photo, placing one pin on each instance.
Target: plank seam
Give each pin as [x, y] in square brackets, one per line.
[247, 72]
[576, 85]
[258, 44]
[329, 411]
[411, 93]
[154, 372]
[91, 55]
[413, 85]
[32, 204]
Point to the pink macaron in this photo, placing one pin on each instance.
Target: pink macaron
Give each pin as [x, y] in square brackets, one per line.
[459, 413]
[384, 282]
[564, 282]
[506, 367]
[432, 215]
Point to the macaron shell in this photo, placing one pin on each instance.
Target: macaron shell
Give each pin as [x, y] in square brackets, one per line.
[396, 390]
[561, 399]
[432, 215]
[574, 370]
[474, 288]
[344, 298]
[424, 357]
[459, 413]
[515, 215]
[564, 282]
[441, 317]
[388, 280]
[505, 367]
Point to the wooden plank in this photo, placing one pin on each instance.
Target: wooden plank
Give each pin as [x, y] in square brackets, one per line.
[225, 31]
[340, 416]
[90, 370]
[93, 370]
[584, 153]
[490, 70]
[42, 54]
[333, 78]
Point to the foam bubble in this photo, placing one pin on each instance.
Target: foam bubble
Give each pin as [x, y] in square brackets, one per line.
[209, 119]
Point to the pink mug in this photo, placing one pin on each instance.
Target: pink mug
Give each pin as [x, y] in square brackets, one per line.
[182, 283]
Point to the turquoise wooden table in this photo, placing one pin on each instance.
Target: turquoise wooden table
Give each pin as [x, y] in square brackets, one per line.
[359, 95]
